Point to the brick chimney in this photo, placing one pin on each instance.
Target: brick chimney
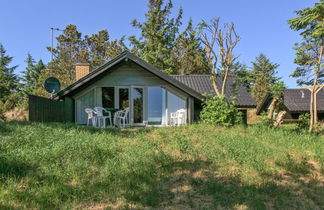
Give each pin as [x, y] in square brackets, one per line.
[81, 70]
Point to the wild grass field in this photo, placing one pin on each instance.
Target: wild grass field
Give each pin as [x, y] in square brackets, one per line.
[65, 166]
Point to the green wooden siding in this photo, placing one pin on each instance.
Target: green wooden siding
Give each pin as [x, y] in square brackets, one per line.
[48, 110]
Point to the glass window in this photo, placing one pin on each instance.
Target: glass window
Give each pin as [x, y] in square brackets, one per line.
[123, 98]
[155, 105]
[137, 96]
[108, 97]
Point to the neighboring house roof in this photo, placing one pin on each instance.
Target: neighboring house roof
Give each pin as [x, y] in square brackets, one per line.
[194, 85]
[299, 99]
[296, 100]
[203, 85]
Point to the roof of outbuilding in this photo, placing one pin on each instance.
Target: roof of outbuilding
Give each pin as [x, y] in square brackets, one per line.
[295, 100]
[203, 85]
[299, 99]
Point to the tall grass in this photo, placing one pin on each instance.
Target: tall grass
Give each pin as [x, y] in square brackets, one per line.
[199, 166]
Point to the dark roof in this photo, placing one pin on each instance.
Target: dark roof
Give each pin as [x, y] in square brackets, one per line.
[203, 85]
[299, 99]
[126, 56]
[296, 100]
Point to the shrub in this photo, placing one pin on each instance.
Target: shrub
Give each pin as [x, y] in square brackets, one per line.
[2, 117]
[265, 121]
[303, 122]
[11, 101]
[217, 111]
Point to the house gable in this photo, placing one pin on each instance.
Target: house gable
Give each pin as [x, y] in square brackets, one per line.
[144, 74]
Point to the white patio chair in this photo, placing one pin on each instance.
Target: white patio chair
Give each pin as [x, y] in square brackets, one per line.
[181, 118]
[121, 118]
[101, 118]
[91, 117]
[173, 118]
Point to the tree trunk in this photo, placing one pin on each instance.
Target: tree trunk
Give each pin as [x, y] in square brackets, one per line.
[224, 82]
[311, 110]
[315, 107]
[272, 108]
[313, 102]
[279, 119]
[214, 80]
[318, 89]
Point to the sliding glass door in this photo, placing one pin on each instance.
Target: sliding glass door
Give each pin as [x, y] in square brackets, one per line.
[145, 103]
[155, 105]
[138, 108]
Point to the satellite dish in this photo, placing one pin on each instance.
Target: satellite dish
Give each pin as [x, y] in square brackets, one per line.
[52, 85]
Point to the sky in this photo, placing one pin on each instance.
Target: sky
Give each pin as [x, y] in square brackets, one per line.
[261, 24]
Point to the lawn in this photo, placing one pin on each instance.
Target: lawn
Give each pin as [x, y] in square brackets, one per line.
[66, 166]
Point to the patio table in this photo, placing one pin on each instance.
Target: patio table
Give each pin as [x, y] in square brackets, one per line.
[112, 111]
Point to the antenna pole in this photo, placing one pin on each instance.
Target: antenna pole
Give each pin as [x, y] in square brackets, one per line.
[52, 41]
[52, 29]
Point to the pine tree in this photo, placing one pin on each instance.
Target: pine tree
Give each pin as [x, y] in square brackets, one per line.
[100, 49]
[70, 49]
[188, 55]
[8, 80]
[158, 35]
[263, 75]
[243, 75]
[73, 48]
[31, 74]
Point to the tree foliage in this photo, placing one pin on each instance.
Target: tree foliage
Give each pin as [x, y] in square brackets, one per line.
[307, 58]
[31, 74]
[310, 20]
[158, 35]
[100, 49]
[8, 79]
[188, 55]
[73, 48]
[263, 75]
[310, 52]
[243, 75]
[163, 45]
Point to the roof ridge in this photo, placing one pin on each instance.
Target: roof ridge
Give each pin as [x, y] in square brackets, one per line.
[190, 75]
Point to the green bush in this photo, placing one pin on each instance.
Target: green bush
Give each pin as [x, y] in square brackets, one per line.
[12, 101]
[217, 111]
[2, 116]
[265, 121]
[303, 123]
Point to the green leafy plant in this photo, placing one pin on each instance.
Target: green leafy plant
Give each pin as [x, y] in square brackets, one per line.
[265, 121]
[2, 116]
[217, 111]
[303, 122]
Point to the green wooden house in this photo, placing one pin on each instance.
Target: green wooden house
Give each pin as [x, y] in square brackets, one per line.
[150, 94]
